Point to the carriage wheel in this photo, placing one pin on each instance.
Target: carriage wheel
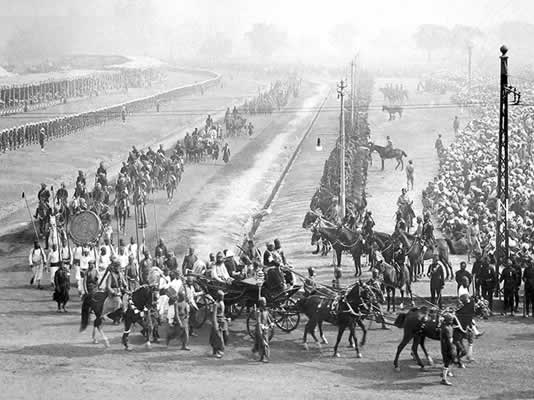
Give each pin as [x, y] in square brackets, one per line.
[202, 313]
[235, 310]
[251, 326]
[286, 316]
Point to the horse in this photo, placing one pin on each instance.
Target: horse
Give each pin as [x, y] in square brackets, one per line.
[392, 110]
[418, 325]
[408, 215]
[394, 279]
[343, 311]
[397, 154]
[341, 239]
[414, 251]
[140, 310]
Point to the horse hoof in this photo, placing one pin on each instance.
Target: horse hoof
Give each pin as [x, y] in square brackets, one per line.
[351, 346]
[305, 346]
[148, 345]
[95, 341]
[359, 355]
[324, 341]
[337, 355]
[397, 369]
[106, 344]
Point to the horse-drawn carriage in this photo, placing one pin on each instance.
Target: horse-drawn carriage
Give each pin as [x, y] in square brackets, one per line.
[243, 295]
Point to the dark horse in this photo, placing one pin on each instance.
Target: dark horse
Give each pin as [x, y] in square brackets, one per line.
[140, 311]
[95, 302]
[414, 251]
[342, 310]
[397, 154]
[392, 110]
[419, 324]
[341, 239]
[394, 279]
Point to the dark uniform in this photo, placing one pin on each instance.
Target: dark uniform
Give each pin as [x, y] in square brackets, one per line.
[528, 278]
[509, 277]
[488, 281]
[437, 281]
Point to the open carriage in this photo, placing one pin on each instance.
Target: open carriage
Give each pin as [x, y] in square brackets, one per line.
[243, 295]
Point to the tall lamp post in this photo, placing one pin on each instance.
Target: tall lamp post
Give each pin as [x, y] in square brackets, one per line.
[340, 88]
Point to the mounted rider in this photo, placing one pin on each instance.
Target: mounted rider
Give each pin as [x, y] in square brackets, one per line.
[404, 204]
[62, 195]
[102, 170]
[389, 146]
[367, 226]
[428, 234]
[44, 194]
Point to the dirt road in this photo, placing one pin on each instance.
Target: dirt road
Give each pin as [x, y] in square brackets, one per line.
[44, 357]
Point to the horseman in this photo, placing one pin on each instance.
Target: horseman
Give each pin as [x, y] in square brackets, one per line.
[62, 195]
[44, 194]
[114, 288]
[80, 179]
[405, 206]
[368, 224]
[428, 233]
[389, 146]
[102, 170]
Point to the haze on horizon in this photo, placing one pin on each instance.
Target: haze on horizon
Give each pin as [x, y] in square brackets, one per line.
[299, 31]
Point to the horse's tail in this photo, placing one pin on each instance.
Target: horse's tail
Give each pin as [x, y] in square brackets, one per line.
[86, 310]
[404, 153]
[399, 321]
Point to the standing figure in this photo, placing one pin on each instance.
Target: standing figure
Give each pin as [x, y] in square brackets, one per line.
[437, 280]
[219, 326]
[447, 348]
[37, 261]
[508, 276]
[409, 175]
[178, 316]
[226, 153]
[42, 138]
[61, 287]
[456, 125]
[264, 324]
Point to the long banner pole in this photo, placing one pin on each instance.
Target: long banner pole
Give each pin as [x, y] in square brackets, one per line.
[31, 217]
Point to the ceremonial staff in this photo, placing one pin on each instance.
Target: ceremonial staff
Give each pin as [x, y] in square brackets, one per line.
[31, 217]
[155, 220]
[55, 219]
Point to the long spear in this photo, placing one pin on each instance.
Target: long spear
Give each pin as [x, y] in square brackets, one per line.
[31, 217]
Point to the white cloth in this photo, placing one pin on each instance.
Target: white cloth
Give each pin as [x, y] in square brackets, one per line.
[219, 272]
[131, 250]
[463, 290]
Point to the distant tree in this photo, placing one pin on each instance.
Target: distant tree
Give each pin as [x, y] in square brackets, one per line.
[462, 35]
[432, 37]
[343, 36]
[265, 39]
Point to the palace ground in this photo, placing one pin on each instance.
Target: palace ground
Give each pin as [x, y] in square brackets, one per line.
[44, 356]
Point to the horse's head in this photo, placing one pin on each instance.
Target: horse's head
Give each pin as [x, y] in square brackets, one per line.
[316, 236]
[309, 219]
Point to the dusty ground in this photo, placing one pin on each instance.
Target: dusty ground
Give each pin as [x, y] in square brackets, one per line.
[43, 356]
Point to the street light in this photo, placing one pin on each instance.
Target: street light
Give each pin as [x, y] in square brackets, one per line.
[318, 146]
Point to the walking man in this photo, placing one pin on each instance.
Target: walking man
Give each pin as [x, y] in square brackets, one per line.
[409, 175]
[437, 280]
[37, 261]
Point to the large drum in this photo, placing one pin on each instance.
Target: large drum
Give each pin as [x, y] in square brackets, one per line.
[85, 228]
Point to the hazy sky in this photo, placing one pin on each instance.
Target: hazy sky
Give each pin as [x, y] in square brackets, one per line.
[299, 16]
[185, 24]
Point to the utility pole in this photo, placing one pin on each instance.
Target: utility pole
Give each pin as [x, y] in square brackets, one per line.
[352, 96]
[501, 245]
[341, 95]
